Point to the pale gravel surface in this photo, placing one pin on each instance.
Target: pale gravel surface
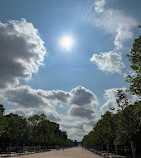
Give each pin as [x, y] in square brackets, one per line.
[67, 153]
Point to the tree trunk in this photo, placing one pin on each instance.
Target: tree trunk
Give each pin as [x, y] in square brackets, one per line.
[132, 147]
[108, 149]
[116, 150]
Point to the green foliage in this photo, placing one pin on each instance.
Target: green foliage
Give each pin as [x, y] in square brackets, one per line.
[128, 124]
[103, 131]
[14, 129]
[122, 100]
[135, 59]
[2, 124]
[2, 109]
[116, 129]
[17, 131]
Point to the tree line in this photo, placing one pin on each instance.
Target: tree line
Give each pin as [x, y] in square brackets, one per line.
[35, 132]
[120, 132]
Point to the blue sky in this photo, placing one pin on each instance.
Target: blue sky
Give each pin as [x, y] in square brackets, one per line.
[71, 87]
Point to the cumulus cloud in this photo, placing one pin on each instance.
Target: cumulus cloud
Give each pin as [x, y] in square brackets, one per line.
[82, 97]
[83, 112]
[83, 103]
[58, 96]
[22, 52]
[29, 97]
[114, 22]
[78, 134]
[109, 62]
[53, 116]
[123, 33]
[32, 101]
[111, 96]
[27, 112]
[76, 127]
[24, 96]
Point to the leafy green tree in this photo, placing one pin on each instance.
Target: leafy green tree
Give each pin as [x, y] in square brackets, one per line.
[122, 100]
[35, 132]
[135, 59]
[34, 120]
[2, 109]
[108, 127]
[2, 124]
[46, 133]
[2, 119]
[14, 130]
[103, 133]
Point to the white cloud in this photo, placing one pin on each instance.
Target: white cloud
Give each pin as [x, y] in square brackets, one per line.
[111, 96]
[83, 112]
[83, 103]
[109, 62]
[82, 97]
[24, 96]
[32, 101]
[22, 52]
[115, 22]
[76, 127]
[27, 112]
[123, 33]
[99, 5]
[81, 100]
[59, 97]
[33, 98]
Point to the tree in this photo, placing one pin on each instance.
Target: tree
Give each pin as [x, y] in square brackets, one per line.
[2, 119]
[135, 59]
[15, 129]
[2, 109]
[122, 100]
[17, 132]
[2, 124]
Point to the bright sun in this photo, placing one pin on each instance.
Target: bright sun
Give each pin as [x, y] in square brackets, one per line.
[67, 42]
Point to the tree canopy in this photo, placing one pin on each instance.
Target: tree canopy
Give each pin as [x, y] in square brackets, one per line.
[135, 59]
[18, 132]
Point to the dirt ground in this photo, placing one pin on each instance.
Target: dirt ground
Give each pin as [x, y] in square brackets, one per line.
[77, 152]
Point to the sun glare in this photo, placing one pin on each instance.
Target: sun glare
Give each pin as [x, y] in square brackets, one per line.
[67, 42]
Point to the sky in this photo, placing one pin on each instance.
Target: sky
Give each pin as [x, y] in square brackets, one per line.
[66, 58]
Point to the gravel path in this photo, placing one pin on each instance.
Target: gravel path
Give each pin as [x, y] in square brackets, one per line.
[67, 153]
